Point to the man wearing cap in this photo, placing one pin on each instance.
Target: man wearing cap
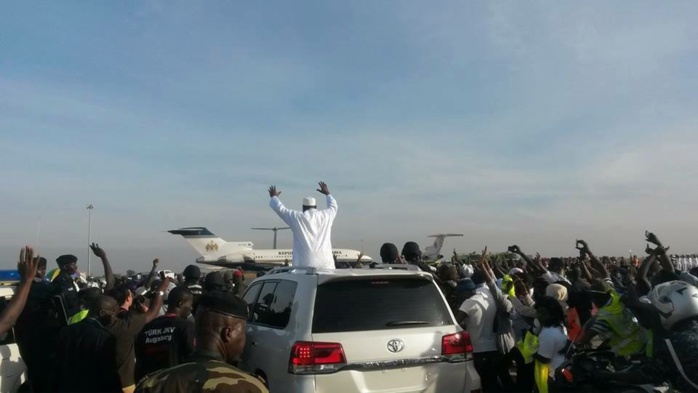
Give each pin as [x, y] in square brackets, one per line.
[615, 322]
[65, 283]
[214, 282]
[413, 255]
[89, 349]
[191, 275]
[312, 228]
[239, 285]
[389, 253]
[220, 338]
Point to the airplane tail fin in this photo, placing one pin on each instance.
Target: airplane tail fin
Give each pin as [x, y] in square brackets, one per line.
[434, 250]
[203, 241]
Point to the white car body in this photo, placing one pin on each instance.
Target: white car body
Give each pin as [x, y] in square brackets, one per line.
[12, 367]
[336, 354]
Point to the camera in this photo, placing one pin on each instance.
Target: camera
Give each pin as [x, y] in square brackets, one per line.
[168, 274]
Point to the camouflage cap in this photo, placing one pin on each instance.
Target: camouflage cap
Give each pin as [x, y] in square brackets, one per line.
[223, 302]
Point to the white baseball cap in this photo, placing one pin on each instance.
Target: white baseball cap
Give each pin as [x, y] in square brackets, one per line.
[309, 201]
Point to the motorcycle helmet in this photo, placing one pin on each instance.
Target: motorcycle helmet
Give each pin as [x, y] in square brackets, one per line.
[675, 301]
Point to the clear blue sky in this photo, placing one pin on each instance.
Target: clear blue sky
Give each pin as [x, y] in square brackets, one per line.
[532, 123]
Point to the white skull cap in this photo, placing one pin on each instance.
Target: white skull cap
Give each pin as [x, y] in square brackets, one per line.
[309, 201]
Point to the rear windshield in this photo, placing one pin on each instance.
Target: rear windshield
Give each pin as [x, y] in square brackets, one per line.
[377, 304]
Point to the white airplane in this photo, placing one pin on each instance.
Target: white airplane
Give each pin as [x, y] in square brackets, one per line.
[218, 252]
[432, 252]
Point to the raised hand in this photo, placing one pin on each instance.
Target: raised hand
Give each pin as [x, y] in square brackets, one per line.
[155, 262]
[582, 245]
[652, 238]
[98, 251]
[323, 188]
[656, 251]
[483, 258]
[273, 192]
[27, 264]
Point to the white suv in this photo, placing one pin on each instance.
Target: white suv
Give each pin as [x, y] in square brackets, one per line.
[355, 330]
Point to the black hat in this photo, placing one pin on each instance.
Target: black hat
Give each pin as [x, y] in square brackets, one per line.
[411, 250]
[223, 302]
[66, 259]
[192, 271]
[389, 252]
[214, 281]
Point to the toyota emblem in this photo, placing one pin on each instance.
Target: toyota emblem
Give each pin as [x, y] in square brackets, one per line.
[395, 346]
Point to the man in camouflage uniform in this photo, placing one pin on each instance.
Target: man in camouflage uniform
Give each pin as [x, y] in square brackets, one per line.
[220, 339]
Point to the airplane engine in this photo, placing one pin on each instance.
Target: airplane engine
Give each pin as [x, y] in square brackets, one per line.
[234, 258]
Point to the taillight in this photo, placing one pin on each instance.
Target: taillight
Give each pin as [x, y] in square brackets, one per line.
[309, 357]
[456, 347]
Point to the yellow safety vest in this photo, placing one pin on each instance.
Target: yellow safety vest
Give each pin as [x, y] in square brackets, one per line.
[79, 316]
[542, 372]
[528, 346]
[628, 337]
[508, 286]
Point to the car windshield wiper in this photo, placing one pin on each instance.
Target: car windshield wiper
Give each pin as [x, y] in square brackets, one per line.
[406, 323]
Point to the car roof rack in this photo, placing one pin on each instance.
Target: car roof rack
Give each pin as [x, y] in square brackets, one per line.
[398, 266]
[293, 269]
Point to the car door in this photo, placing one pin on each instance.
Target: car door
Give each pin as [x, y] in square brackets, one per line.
[267, 346]
[247, 362]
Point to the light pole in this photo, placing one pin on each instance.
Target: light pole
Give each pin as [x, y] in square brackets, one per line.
[89, 236]
[38, 232]
[275, 229]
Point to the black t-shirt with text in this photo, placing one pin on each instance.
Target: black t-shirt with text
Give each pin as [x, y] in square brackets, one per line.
[163, 343]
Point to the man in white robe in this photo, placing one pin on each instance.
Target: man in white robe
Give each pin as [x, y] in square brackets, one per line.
[312, 229]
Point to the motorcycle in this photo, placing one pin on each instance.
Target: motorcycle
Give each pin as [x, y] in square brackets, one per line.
[579, 371]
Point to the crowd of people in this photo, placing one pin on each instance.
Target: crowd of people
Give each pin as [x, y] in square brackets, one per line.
[184, 333]
[524, 312]
[165, 331]
[127, 330]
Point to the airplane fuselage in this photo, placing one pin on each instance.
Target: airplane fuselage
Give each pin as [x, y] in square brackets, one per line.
[277, 257]
[215, 251]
